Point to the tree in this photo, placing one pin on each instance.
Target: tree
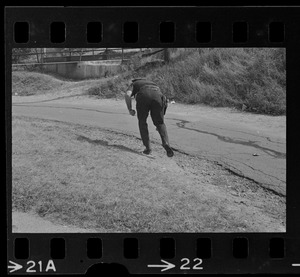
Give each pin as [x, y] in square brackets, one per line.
[20, 54]
[39, 54]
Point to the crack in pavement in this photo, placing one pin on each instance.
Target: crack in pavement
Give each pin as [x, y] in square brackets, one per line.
[271, 152]
[247, 133]
[255, 169]
[262, 185]
[48, 100]
[235, 171]
[64, 107]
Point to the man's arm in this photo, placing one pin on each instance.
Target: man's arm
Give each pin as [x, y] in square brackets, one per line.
[128, 102]
[128, 99]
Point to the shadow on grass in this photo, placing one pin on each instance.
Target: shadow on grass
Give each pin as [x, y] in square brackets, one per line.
[105, 143]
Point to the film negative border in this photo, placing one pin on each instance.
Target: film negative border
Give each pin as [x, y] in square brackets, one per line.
[130, 30]
[155, 27]
[154, 253]
[160, 27]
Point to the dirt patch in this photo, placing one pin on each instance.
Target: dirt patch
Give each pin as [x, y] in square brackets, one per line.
[99, 179]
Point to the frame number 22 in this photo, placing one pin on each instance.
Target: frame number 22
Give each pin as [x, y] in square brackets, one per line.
[195, 266]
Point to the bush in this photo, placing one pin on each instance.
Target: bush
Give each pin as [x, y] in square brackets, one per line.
[112, 88]
[227, 77]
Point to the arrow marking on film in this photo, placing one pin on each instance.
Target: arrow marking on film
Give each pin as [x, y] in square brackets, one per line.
[165, 266]
[14, 267]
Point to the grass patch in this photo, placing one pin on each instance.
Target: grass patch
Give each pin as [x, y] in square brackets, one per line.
[98, 179]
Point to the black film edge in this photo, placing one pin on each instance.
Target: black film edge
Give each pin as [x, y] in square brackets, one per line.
[153, 29]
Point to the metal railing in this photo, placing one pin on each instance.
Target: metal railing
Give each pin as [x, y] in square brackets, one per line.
[67, 62]
[93, 54]
[111, 56]
[101, 50]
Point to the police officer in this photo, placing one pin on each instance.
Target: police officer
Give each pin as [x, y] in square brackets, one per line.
[149, 98]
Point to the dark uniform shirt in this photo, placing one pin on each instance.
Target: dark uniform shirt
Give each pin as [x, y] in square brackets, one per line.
[137, 85]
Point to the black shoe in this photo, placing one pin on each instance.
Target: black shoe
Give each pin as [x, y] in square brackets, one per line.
[147, 151]
[169, 150]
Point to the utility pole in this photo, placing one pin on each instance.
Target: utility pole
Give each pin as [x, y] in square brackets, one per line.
[81, 54]
[43, 55]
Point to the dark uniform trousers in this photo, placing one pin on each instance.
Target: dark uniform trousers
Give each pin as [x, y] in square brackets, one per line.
[150, 98]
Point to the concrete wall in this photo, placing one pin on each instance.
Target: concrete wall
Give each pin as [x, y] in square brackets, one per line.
[82, 70]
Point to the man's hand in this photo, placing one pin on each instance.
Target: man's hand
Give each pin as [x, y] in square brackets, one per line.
[132, 112]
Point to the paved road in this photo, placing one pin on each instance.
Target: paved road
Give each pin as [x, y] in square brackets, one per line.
[253, 146]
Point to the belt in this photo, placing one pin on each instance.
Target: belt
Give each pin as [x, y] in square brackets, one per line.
[150, 86]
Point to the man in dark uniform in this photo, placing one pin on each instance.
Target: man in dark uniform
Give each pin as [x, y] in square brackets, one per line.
[149, 98]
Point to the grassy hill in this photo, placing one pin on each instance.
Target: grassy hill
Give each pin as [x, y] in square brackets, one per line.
[250, 79]
[26, 83]
[31, 83]
[253, 79]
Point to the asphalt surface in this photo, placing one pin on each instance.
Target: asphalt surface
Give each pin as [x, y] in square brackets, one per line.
[252, 146]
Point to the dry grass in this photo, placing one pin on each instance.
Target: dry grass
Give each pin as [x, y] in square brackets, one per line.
[98, 179]
[30, 83]
[243, 78]
[228, 78]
